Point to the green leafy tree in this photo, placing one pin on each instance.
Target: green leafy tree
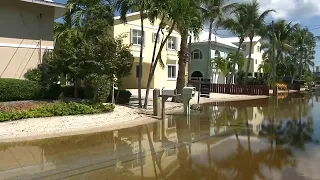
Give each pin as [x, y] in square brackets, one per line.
[189, 19]
[255, 23]
[214, 11]
[165, 9]
[125, 6]
[236, 24]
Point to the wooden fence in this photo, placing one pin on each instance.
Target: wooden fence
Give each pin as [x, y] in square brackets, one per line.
[236, 89]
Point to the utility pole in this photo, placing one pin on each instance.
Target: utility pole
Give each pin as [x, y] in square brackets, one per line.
[274, 66]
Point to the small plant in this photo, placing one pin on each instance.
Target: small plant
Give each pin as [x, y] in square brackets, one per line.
[58, 108]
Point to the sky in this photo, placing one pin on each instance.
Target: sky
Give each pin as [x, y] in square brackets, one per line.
[305, 12]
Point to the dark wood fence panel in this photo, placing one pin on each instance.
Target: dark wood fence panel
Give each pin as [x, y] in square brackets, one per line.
[236, 89]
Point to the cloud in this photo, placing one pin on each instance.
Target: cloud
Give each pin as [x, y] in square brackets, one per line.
[290, 9]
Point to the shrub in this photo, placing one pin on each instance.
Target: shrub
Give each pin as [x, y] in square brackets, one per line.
[34, 75]
[51, 91]
[17, 89]
[123, 98]
[35, 110]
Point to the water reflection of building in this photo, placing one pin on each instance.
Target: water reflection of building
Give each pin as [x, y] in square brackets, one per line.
[255, 118]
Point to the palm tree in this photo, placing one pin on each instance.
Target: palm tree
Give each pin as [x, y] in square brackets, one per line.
[280, 32]
[222, 64]
[189, 20]
[236, 24]
[214, 10]
[125, 6]
[255, 23]
[304, 42]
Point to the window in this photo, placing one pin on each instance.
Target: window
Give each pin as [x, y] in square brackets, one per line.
[154, 37]
[136, 37]
[258, 48]
[217, 53]
[172, 71]
[256, 61]
[244, 47]
[197, 54]
[138, 72]
[171, 43]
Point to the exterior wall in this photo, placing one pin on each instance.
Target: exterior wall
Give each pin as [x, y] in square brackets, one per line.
[169, 57]
[131, 82]
[255, 55]
[20, 37]
[201, 65]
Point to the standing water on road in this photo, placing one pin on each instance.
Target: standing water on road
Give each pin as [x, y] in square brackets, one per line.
[256, 139]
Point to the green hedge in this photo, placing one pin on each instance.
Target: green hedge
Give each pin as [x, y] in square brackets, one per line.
[32, 110]
[17, 89]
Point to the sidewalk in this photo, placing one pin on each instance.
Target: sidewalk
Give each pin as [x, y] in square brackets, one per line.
[122, 117]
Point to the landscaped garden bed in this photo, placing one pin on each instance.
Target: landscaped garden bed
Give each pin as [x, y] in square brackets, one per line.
[48, 109]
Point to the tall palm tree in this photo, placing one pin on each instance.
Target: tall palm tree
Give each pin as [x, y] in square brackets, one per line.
[236, 25]
[189, 19]
[214, 10]
[304, 42]
[125, 6]
[280, 32]
[255, 23]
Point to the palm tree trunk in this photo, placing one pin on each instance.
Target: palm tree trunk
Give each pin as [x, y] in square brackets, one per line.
[249, 60]
[183, 59]
[155, 62]
[209, 49]
[140, 60]
[235, 62]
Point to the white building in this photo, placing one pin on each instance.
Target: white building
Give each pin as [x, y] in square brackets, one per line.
[256, 53]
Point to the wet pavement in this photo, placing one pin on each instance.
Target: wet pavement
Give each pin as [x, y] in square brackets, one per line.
[256, 139]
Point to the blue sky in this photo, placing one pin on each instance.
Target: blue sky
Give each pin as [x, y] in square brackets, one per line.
[305, 12]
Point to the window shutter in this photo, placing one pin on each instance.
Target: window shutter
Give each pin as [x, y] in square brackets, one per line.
[177, 45]
[144, 38]
[130, 36]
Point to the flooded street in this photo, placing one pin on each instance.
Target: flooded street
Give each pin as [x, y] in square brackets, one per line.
[256, 139]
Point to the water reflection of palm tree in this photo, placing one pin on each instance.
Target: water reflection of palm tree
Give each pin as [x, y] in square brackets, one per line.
[246, 164]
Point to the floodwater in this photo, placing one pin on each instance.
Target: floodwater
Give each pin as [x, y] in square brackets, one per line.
[256, 139]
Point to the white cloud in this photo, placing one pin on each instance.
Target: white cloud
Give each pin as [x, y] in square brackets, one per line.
[291, 9]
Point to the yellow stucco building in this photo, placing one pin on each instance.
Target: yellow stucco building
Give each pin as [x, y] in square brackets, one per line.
[26, 33]
[163, 77]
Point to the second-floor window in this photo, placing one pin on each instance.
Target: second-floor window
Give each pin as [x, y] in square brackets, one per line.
[136, 37]
[258, 49]
[244, 47]
[154, 37]
[196, 54]
[172, 43]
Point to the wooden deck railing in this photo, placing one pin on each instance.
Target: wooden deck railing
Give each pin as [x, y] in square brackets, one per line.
[236, 89]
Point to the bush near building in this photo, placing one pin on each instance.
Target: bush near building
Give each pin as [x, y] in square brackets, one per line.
[58, 108]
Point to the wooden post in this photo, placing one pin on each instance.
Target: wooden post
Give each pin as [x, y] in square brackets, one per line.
[156, 102]
[164, 99]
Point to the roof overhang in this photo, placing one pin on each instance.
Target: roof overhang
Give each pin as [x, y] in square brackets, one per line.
[212, 43]
[59, 9]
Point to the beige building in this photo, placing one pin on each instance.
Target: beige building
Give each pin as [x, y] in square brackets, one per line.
[26, 33]
[256, 53]
[163, 77]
